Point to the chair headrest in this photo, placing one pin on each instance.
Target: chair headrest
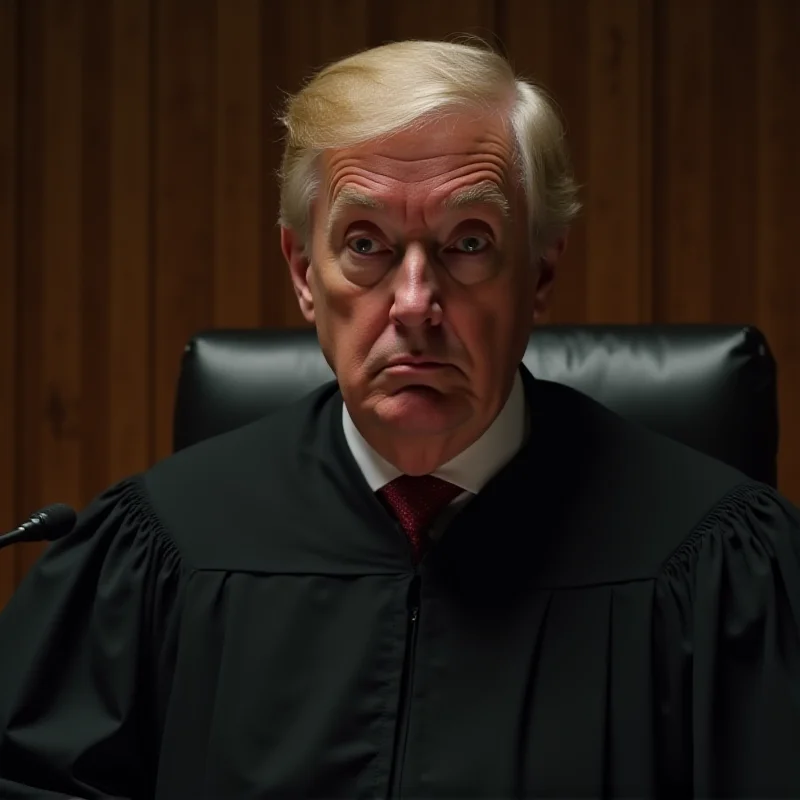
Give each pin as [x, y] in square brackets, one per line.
[710, 387]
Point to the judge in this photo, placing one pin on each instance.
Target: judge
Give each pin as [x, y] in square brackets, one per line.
[438, 576]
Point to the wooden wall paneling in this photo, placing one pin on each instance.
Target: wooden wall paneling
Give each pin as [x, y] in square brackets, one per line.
[647, 187]
[778, 292]
[525, 31]
[56, 405]
[618, 187]
[594, 59]
[549, 42]
[286, 58]
[238, 213]
[682, 269]
[9, 218]
[60, 404]
[138, 198]
[29, 285]
[184, 203]
[432, 19]
[95, 182]
[130, 244]
[340, 28]
[299, 39]
[733, 160]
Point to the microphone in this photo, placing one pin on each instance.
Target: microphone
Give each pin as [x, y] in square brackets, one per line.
[51, 523]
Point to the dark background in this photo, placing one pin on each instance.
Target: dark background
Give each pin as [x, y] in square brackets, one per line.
[138, 200]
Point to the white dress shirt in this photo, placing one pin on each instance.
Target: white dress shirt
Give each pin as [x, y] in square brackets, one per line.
[470, 470]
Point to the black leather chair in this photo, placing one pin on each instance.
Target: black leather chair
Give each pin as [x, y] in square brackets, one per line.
[710, 387]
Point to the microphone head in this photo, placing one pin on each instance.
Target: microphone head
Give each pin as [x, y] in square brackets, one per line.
[54, 521]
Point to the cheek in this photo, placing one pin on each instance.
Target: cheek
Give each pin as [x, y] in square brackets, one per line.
[357, 348]
[477, 327]
[363, 329]
[350, 317]
[351, 322]
[493, 326]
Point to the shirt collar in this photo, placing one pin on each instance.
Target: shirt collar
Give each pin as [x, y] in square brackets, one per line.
[472, 468]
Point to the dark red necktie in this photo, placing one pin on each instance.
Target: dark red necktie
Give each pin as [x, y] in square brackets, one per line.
[416, 502]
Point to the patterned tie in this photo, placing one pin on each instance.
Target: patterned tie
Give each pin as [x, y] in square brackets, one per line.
[416, 501]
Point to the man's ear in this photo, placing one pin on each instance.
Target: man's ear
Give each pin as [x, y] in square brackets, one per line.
[295, 253]
[546, 277]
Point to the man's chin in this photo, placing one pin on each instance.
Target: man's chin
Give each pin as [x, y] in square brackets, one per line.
[421, 410]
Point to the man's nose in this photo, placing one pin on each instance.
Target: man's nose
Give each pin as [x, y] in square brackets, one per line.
[417, 300]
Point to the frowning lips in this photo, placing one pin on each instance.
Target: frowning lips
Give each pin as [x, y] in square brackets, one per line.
[416, 361]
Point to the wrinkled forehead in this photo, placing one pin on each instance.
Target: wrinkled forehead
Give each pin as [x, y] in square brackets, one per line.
[450, 162]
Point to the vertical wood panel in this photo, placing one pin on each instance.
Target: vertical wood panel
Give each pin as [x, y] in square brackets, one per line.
[778, 209]
[282, 57]
[130, 241]
[647, 187]
[57, 406]
[9, 155]
[237, 268]
[527, 33]
[526, 30]
[682, 156]
[340, 27]
[94, 246]
[594, 58]
[734, 158]
[617, 285]
[184, 253]
[537, 36]
[31, 248]
[434, 19]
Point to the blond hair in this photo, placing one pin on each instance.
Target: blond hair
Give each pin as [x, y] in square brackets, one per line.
[398, 86]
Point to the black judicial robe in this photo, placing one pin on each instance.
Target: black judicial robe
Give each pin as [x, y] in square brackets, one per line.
[613, 615]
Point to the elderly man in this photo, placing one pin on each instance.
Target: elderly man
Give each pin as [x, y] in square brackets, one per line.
[439, 576]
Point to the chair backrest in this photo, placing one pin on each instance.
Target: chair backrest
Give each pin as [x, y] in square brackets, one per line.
[710, 387]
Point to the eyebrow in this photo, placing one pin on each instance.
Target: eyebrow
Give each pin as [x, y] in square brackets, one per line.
[349, 197]
[483, 193]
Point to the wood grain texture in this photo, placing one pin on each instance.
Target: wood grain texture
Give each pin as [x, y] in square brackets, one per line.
[602, 84]
[528, 40]
[184, 185]
[778, 208]
[565, 75]
[733, 162]
[283, 54]
[237, 169]
[434, 19]
[30, 333]
[9, 244]
[139, 145]
[683, 271]
[341, 27]
[94, 246]
[57, 418]
[707, 163]
[130, 245]
[617, 267]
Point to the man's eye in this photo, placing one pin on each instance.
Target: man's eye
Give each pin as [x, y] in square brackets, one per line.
[471, 244]
[365, 246]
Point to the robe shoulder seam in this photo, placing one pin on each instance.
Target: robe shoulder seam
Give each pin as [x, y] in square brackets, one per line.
[135, 501]
[733, 502]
